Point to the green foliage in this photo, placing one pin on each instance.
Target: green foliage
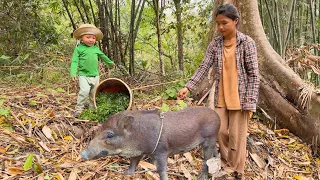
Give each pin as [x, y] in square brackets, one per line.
[4, 60]
[37, 168]
[28, 163]
[178, 106]
[164, 107]
[32, 103]
[172, 91]
[4, 111]
[26, 24]
[107, 104]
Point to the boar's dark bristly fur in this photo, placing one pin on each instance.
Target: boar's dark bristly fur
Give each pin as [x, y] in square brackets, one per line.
[133, 134]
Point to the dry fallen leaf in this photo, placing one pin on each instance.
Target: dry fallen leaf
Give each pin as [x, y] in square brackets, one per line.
[257, 160]
[87, 176]
[59, 176]
[47, 132]
[2, 150]
[68, 138]
[281, 170]
[214, 165]
[73, 175]
[15, 170]
[41, 177]
[44, 146]
[189, 157]
[186, 173]
[146, 165]
[171, 161]
[282, 131]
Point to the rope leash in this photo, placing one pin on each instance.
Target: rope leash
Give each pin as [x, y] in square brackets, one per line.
[161, 118]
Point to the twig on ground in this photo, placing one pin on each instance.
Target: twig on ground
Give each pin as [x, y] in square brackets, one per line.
[20, 123]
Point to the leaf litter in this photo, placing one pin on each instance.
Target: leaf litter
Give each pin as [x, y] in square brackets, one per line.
[41, 140]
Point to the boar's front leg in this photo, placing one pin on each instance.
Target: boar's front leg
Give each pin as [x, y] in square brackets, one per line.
[161, 162]
[209, 151]
[134, 161]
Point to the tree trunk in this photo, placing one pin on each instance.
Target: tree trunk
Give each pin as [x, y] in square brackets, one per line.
[280, 87]
[177, 4]
[158, 26]
[131, 39]
[312, 24]
[79, 11]
[69, 15]
[93, 15]
[85, 11]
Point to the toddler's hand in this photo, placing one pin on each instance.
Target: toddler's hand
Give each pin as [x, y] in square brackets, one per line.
[114, 66]
[73, 79]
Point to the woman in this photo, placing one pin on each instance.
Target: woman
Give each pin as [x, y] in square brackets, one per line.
[234, 57]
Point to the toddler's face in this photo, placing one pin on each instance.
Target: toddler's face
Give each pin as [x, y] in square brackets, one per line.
[88, 39]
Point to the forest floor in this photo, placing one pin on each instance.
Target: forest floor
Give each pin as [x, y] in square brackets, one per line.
[40, 139]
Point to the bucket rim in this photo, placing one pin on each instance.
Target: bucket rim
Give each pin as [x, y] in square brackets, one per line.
[122, 82]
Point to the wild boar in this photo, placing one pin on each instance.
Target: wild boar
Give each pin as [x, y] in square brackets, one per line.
[133, 134]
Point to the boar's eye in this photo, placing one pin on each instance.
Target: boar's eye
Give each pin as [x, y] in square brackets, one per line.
[109, 135]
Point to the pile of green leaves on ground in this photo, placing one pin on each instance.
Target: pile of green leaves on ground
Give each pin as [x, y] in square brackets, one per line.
[108, 103]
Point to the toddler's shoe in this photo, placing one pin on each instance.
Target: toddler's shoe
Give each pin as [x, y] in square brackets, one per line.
[76, 114]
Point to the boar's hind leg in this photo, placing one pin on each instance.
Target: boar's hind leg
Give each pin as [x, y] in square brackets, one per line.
[209, 151]
[134, 161]
[161, 162]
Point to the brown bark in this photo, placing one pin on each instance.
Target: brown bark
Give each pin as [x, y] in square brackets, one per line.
[131, 39]
[179, 33]
[158, 26]
[69, 15]
[280, 86]
[79, 11]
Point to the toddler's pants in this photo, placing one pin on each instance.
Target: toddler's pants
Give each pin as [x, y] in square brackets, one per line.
[88, 86]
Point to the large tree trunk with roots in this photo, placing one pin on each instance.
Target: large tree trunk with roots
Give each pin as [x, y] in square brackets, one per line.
[284, 97]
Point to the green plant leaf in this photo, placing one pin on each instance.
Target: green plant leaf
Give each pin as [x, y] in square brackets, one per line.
[4, 57]
[182, 104]
[165, 96]
[4, 112]
[28, 163]
[37, 167]
[164, 107]
[60, 90]
[32, 103]
[181, 83]
[41, 95]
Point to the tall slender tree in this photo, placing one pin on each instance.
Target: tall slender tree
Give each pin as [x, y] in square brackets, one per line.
[177, 4]
[158, 12]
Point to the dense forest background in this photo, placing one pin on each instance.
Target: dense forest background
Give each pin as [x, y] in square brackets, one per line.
[166, 39]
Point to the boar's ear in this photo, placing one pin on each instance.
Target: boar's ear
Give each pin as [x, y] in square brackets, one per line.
[125, 122]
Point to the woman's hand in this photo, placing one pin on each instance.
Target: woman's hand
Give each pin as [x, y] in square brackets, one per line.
[182, 93]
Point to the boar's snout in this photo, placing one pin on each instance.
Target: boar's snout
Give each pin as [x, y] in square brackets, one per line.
[88, 154]
[84, 155]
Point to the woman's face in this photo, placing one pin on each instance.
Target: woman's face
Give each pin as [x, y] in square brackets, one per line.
[225, 25]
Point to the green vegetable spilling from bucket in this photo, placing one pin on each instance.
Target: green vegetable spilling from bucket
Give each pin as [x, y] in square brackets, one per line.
[108, 103]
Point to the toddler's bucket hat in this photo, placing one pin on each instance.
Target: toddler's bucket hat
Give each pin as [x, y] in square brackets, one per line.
[88, 29]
